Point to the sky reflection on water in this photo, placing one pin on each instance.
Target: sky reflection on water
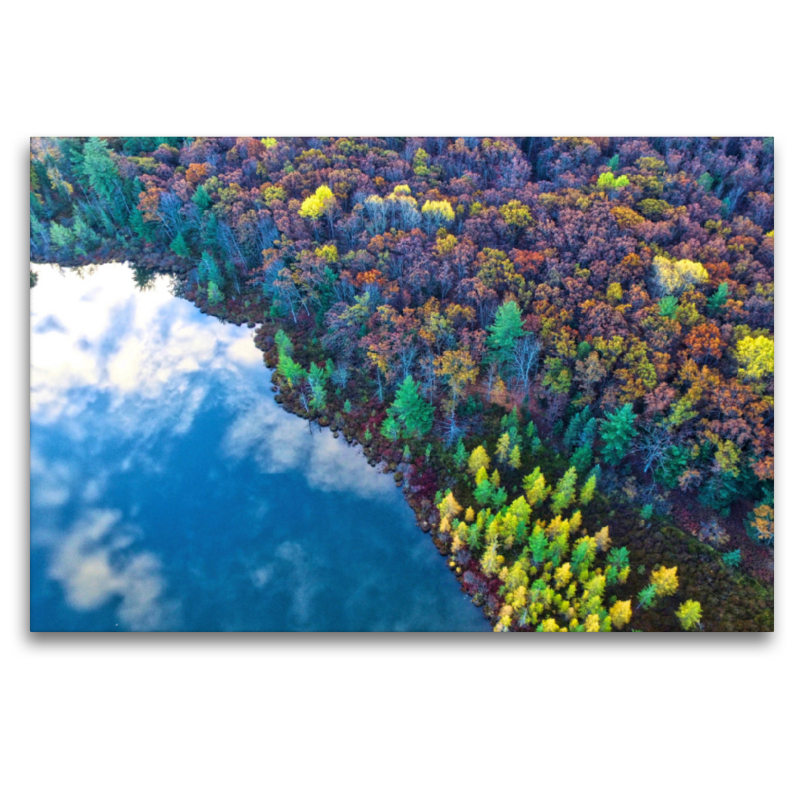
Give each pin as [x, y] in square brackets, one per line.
[170, 492]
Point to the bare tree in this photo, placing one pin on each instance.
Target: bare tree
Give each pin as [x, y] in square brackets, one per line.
[654, 443]
[525, 359]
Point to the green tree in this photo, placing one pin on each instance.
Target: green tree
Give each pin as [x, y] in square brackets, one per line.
[504, 331]
[460, 456]
[587, 492]
[103, 176]
[412, 409]
[617, 432]
[718, 299]
[215, 294]
[564, 493]
[317, 378]
[290, 370]
[179, 246]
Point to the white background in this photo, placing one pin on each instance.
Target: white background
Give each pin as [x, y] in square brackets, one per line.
[243, 716]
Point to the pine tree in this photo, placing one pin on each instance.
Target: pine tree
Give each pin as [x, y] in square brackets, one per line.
[505, 331]
[515, 459]
[587, 492]
[411, 409]
[179, 246]
[536, 488]
[689, 613]
[618, 431]
[647, 596]
[564, 493]
[460, 456]
[503, 445]
[215, 294]
[316, 378]
[484, 493]
[290, 370]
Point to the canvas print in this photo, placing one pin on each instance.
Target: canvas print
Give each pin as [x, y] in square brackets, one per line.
[510, 384]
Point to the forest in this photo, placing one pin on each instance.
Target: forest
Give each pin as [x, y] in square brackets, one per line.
[562, 348]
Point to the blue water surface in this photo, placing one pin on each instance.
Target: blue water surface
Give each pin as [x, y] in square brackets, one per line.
[169, 491]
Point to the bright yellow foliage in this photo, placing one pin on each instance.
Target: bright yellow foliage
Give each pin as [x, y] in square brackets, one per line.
[478, 458]
[592, 624]
[756, 357]
[503, 446]
[317, 204]
[620, 613]
[674, 277]
[665, 580]
[563, 575]
[449, 507]
[441, 210]
[550, 626]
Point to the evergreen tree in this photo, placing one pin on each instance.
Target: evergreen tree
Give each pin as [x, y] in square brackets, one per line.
[215, 294]
[316, 378]
[617, 433]
[505, 331]
[564, 493]
[460, 456]
[412, 409]
[179, 246]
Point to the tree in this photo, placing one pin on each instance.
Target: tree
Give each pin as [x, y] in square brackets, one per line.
[449, 507]
[290, 370]
[505, 331]
[620, 613]
[587, 492]
[317, 378]
[665, 581]
[437, 214]
[179, 246]
[689, 614]
[674, 277]
[536, 488]
[617, 432]
[564, 493]
[215, 295]
[756, 356]
[478, 459]
[322, 202]
[411, 409]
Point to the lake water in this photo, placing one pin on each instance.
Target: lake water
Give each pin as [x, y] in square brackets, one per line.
[170, 492]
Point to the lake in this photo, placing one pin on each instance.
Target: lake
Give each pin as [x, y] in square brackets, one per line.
[169, 491]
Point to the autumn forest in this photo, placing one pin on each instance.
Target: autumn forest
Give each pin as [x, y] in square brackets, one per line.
[561, 348]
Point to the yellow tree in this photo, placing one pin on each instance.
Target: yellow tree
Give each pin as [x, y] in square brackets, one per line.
[503, 445]
[756, 357]
[478, 458]
[620, 613]
[689, 614]
[449, 507]
[321, 203]
[665, 580]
